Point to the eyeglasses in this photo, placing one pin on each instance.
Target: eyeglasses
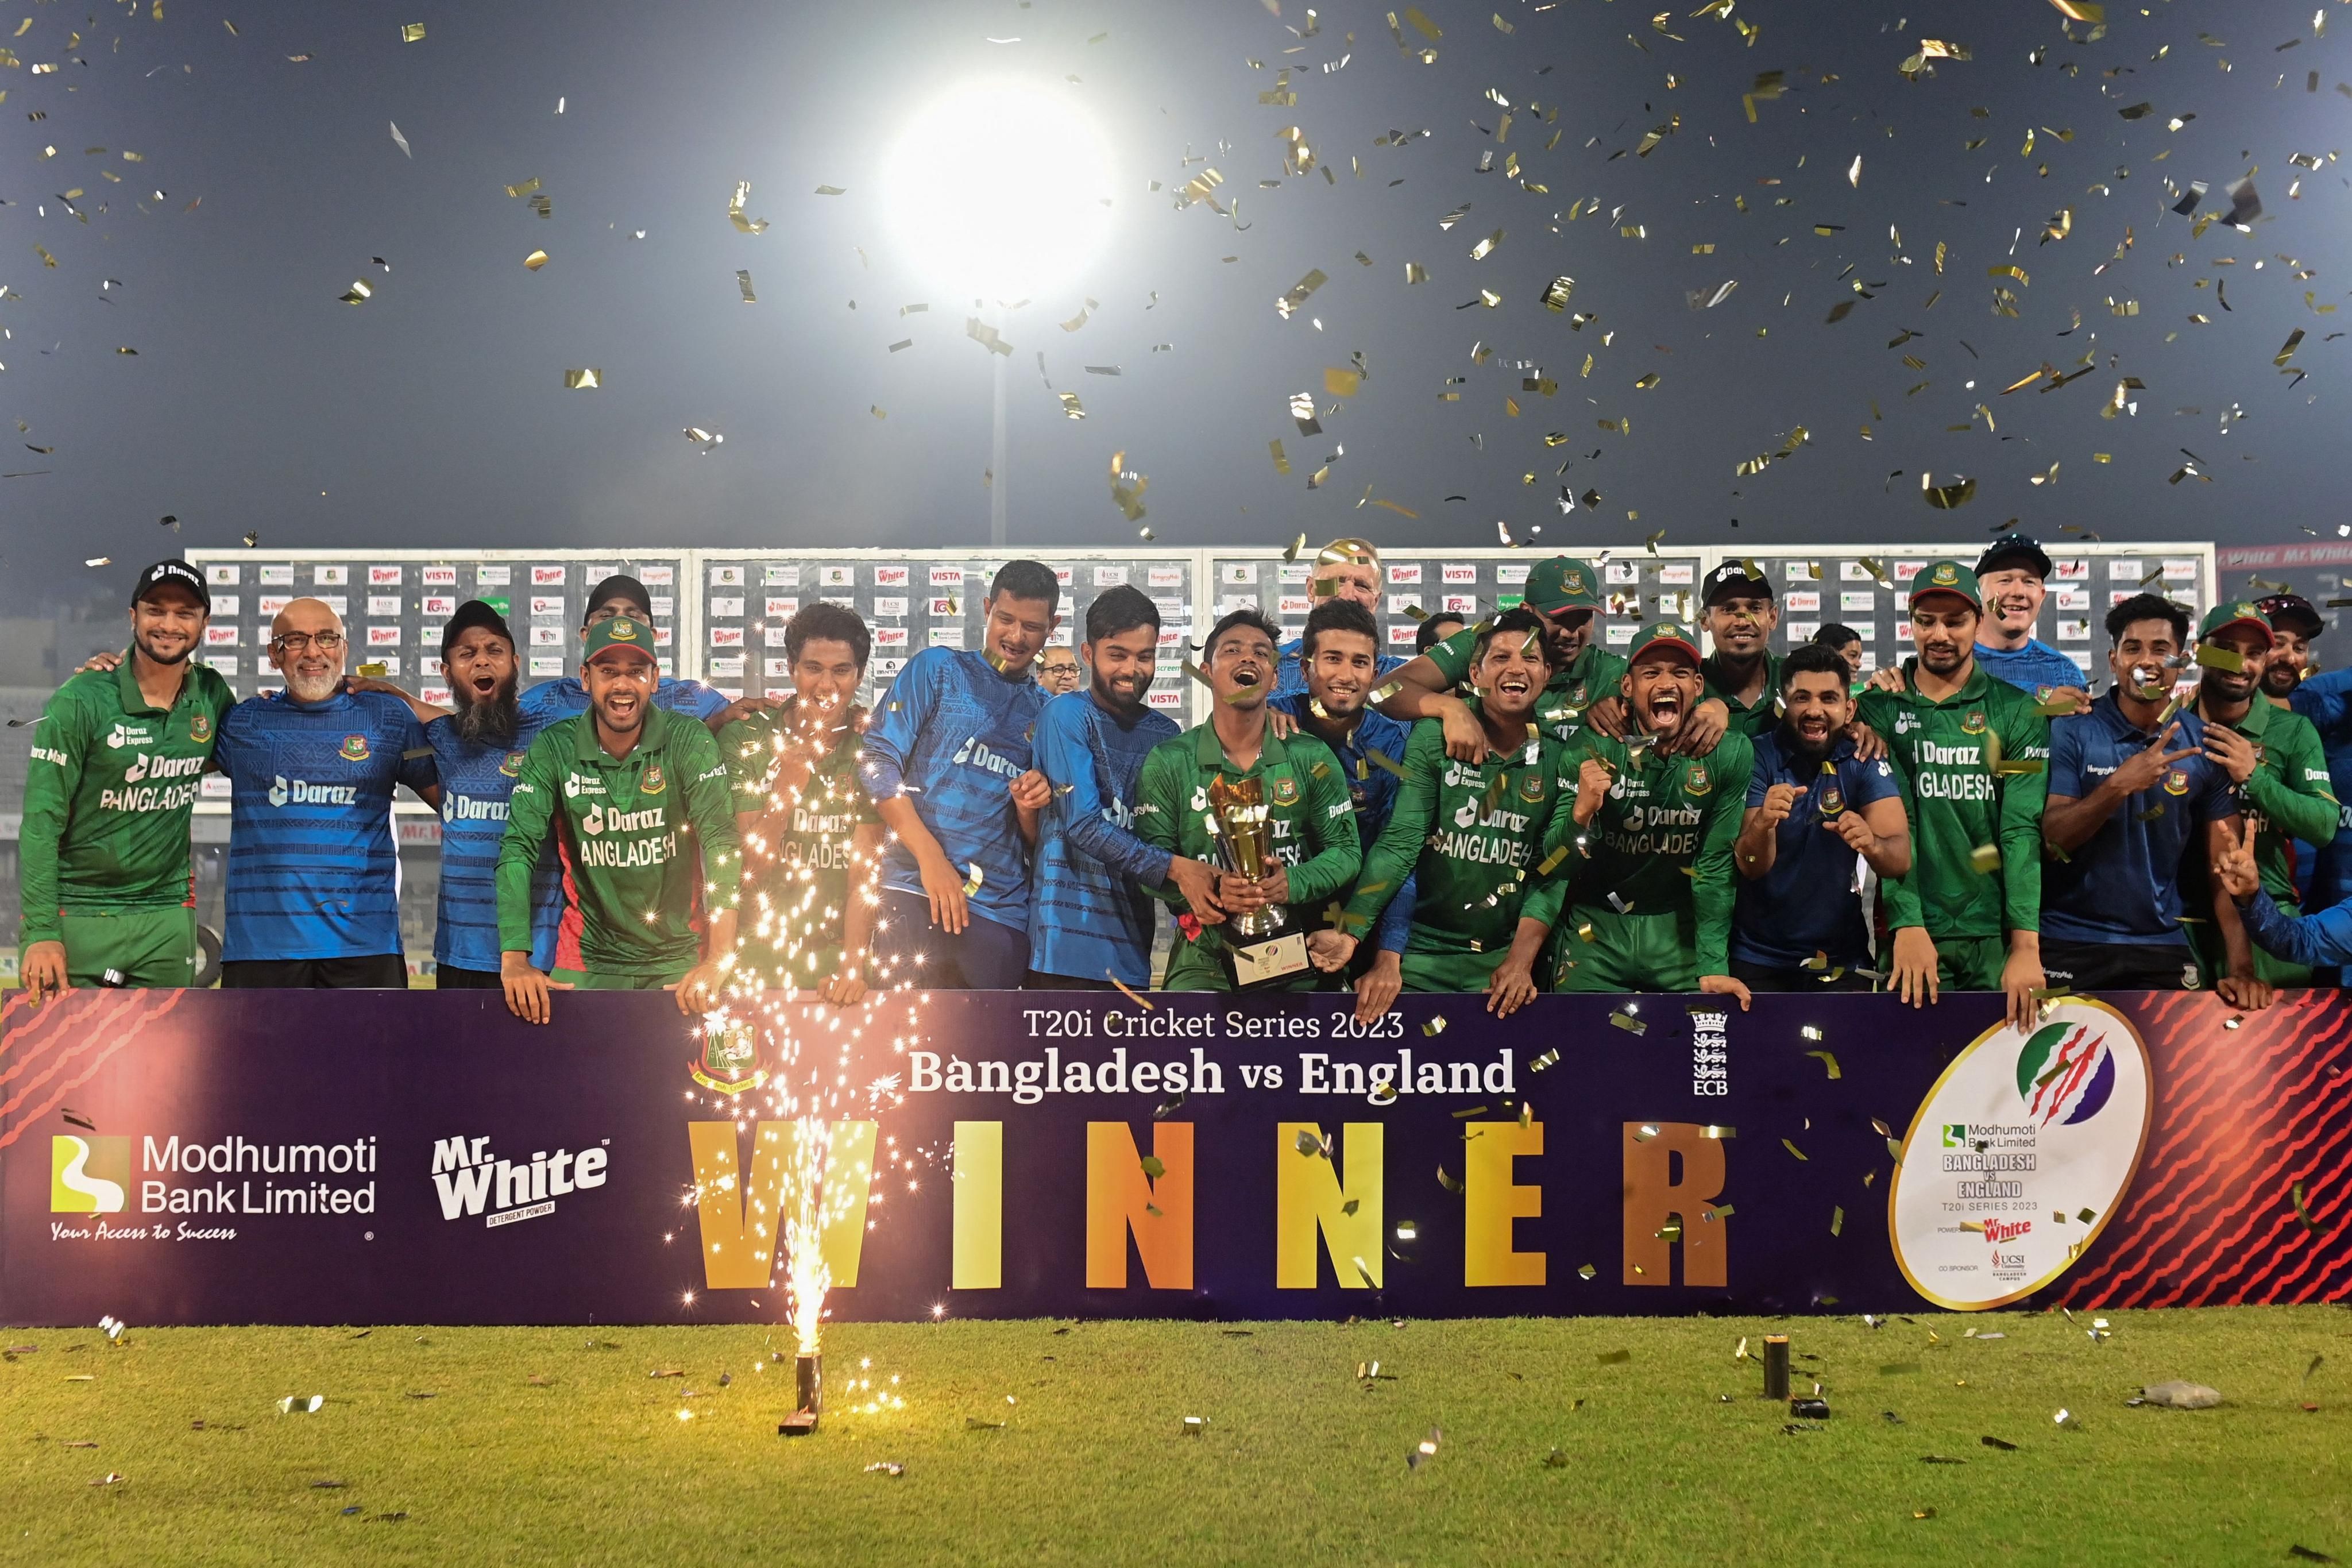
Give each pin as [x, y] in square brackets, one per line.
[329, 643]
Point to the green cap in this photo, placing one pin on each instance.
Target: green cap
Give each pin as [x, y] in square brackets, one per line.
[2222, 616]
[620, 632]
[1947, 578]
[1561, 583]
[1669, 634]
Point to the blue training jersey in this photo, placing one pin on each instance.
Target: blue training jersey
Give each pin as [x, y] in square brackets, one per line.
[541, 706]
[2327, 701]
[1806, 903]
[2123, 885]
[953, 736]
[2031, 668]
[1091, 916]
[312, 869]
[1373, 788]
[476, 782]
[1290, 672]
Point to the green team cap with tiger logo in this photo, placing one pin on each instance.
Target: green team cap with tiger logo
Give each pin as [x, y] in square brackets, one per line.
[2222, 616]
[1663, 634]
[1947, 578]
[1561, 583]
[623, 634]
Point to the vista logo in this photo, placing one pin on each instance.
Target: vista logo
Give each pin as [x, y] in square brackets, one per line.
[88, 1175]
[301, 792]
[469, 1178]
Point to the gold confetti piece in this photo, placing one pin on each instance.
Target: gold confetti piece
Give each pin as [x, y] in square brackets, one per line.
[1550, 1058]
[2214, 656]
[831, 191]
[412, 32]
[358, 293]
[1629, 1023]
[583, 380]
[1986, 858]
[535, 260]
[1342, 382]
[1837, 1219]
[1793, 1149]
[1437, 1027]
[526, 188]
[99, 561]
[1298, 292]
[1450, 1183]
[1586, 1271]
[743, 282]
[735, 214]
[1944, 497]
[1829, 1059]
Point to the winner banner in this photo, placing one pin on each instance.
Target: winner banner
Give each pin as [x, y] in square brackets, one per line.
[316, 1157]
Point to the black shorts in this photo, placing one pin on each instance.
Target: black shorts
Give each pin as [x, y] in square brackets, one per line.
[1768, 977]
[449, 977]
[2119, 966]
[377, 972]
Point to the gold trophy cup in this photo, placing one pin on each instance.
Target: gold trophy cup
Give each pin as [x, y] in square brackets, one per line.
[1241, 823]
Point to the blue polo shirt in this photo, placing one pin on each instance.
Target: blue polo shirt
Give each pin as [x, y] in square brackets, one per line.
[476, 784]
[2123, 885]
[1373, 788]
[2033, 667]
[1091, 916]
[1806, 903]
[1290, 674]
[2327, 701]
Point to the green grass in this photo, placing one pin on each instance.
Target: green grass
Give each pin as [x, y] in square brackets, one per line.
[1301, 1463]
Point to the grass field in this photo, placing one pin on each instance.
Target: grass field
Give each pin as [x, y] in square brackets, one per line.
[562, 1445]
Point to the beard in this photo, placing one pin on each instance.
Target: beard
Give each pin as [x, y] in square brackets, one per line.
[312, 687]
[167, 660]
[490, 721]
[1805, 749]
[2281, 679]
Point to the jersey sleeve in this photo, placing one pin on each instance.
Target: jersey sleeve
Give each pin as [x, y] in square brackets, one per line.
[2025, 737]
[1330, 823]
[2298, 798]
[2313, 941]
[1867, 784]
[710, 810]
[1451, 656]
[745, 749]
[1067, 762]
[1390, 861]
[60, 742]
[1159, 801]
[418, 769]
[1715, 882]
[2326, 700]
[530, 811]
[890, 741]
[2066, 770]
[1395, 929]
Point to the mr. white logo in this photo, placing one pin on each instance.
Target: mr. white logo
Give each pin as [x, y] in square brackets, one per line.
[120, 736]
[976, 752]
[469, 1177]
[466, 808]
[301, 792]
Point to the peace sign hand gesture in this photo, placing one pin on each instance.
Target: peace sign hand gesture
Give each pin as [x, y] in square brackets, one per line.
[2141, 770]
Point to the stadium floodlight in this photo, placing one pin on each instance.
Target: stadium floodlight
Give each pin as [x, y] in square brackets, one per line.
[1000, 190]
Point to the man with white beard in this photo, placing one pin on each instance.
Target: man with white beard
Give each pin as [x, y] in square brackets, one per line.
[313, 897]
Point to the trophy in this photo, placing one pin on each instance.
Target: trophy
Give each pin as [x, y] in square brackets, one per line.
[1257, 951]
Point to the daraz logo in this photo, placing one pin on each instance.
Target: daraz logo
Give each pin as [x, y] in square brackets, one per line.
[88, 1175]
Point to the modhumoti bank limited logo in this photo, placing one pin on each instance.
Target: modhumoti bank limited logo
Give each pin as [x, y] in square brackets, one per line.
[88, 1175]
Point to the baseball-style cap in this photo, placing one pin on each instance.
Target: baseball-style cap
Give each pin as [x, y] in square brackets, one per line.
[2012, 550]
[2221, 617]
[1561, 583]
[178, 573]
[1663, 634]
[623, 633]
[620, 585]
[1947, 578]
[1741, 579]
[2292, 612]
[473, 613]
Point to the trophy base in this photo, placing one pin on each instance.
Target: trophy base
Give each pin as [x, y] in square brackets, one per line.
[1264, 964]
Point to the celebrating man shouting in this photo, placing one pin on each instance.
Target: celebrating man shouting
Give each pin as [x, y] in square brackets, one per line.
[640, 799]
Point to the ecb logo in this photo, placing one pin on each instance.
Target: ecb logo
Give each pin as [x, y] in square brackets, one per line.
[88, 1175]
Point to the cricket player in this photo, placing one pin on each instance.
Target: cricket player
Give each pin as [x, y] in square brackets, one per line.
[108, 895]
[812, 844]
[2129, 795]
[1470, 837]
[622, 595]
[1342, 663]
[638, 796]
[1093, 917]
[1650, 838]
[2318, 941]
[1800, 924]
[313, 890]
[2014, 575]
[1973, 755]
[2275, 765]
[948, 768]
[2324, 699]
[1346, 569]
[1317, 852]
[1740, 609]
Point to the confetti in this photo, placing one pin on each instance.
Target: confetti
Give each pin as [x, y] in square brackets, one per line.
[1629, 1023]
[1828, 1060]
[742, 282]
[583, 380]
[399, 140]
[412, 32]
[535, 262]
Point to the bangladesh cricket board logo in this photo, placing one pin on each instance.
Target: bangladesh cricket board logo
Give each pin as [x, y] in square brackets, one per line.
[2036, 1140]
[1696, 782]
[200, 727]
[2177, 782]
[356, 749]
[512, 766]
[1832, 800]
[653, 782]
[88, 1175]
[1286, 789]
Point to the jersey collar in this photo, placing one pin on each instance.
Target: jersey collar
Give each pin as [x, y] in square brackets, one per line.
[587, 749]
[126, 683]
[1210, 753]
[1972, 690]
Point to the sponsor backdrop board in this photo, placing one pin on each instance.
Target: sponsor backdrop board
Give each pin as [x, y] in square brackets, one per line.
[299, 1157]
[933, 599]
[2316, 569]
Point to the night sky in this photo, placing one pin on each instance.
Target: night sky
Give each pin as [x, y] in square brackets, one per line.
[435, 414]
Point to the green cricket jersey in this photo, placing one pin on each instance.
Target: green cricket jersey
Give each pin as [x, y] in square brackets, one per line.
[1945, 753]
[1750, 720]
[1594, 673]
[645, 836]
[796, 901]
[107, 795]
[1473, 835]
[1309, 808]
[1662, 841]
[2289, 797]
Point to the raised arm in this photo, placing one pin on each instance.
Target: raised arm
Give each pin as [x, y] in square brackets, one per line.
[60, 744]
[1389, 864]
